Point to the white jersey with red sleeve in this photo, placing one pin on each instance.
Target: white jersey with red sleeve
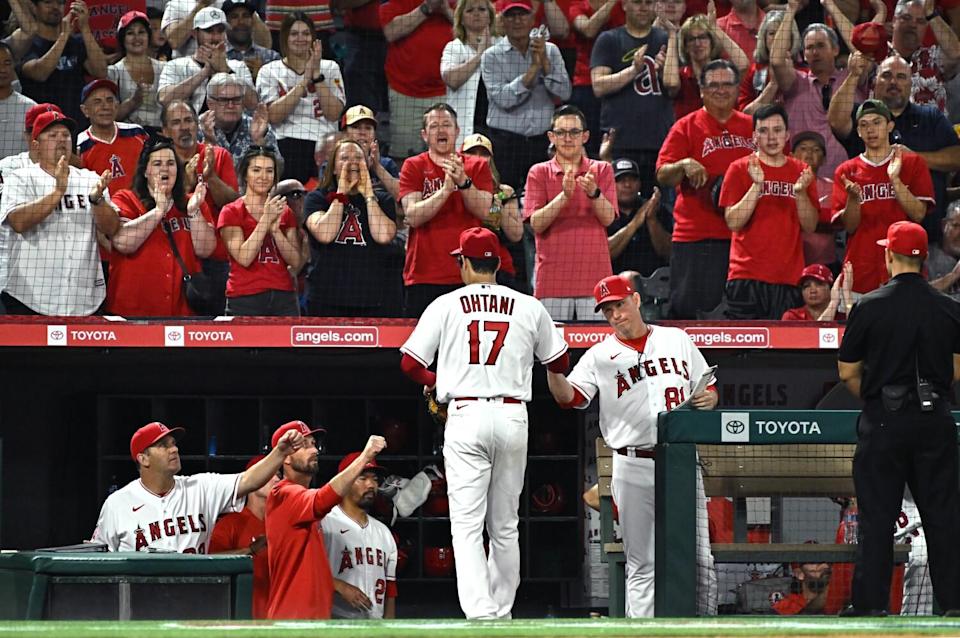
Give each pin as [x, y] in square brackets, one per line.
[485, 337]
[365, 557]
[634, 387]
[878, 209]
[134, 519]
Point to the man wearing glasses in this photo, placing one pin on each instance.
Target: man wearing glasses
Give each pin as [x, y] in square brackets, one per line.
[637, 373]
[570, 200]
[694, 157]
[227, 126]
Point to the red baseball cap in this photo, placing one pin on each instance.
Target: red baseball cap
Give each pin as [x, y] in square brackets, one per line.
[99, 84]
[130, 16]
[350, 458]
[818, 272]
[299, 426]
[255, 460]
[479, 243]
[612, 288]
[34, 112]
[148, 435]
[870, 39]
[505, 5]
[906, 238]
[51, 118]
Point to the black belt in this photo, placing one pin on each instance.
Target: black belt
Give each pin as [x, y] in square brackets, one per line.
[636, 453]
[491, 399]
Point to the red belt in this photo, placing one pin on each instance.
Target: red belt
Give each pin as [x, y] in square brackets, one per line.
[636, 453]
[504, 399]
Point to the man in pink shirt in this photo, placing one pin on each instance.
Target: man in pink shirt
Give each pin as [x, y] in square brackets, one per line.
[742, 24]
[570, 200]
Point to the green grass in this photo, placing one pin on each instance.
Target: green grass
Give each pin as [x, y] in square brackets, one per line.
[441, 628]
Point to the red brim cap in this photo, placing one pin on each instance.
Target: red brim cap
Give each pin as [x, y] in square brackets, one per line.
[299, 426]
[612, 288]
[906, 238]
[350, 458]
[148, 435]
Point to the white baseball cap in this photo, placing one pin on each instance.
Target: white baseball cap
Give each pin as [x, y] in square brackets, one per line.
[209, 17]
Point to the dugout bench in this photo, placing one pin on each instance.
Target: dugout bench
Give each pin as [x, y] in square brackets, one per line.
[124, 586]
[760, 453]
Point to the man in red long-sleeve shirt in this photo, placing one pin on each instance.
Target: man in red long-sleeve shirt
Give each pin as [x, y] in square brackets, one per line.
[301, 584]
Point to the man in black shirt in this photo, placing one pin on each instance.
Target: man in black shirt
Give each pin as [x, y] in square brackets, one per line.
[639, 237]
[899, 353]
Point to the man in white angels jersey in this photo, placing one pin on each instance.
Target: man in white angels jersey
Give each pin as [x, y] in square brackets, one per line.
[361, 550]
[637, 373]
[166, 512]
[485, 337]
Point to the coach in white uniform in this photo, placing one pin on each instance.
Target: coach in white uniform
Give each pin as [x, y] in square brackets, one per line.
[55, 211]
[487, 337]
[639, 372]
[361, 550]
[163, 511]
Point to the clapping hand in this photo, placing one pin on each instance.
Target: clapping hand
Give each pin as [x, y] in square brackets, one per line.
[161, 195]
[193, 206]
[896, 163]
[569, 182]
[588, 182]
[638, 58]
[259, 124]
[852, 188]
[806, 178]
[208, 122]
[453, 167]
[62, 174]
[97, 192]
[754, 169]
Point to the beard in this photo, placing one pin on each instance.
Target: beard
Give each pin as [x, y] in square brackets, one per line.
[310, 466]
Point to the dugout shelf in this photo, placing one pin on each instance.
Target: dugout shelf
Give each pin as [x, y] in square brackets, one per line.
[124, 586]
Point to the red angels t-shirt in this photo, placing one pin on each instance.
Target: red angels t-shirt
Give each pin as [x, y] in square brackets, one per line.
[770, 247]
[118, 155]
[878, 209]
[715, 145]
[301, 583]
[413, 61]
[269, 270]
[428, 258]
[237, 531]
[147, 283]
[688, 98]
[583, 44]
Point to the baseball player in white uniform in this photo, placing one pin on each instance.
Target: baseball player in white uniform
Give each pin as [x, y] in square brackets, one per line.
[485, 338]
[361, 550]
[637, 373]
[55, 211]
[161, 511]
[917, 586]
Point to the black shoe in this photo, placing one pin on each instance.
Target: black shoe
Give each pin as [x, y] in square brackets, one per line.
[852, 612]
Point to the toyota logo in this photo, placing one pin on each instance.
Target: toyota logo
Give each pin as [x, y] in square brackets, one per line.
[829, 337]
[173, 336]
[56, 334]
[735, 427]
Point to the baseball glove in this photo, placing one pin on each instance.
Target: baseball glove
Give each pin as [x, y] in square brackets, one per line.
[437, 411]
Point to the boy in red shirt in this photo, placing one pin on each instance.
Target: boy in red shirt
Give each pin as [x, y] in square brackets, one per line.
[301, 583]
[768, 199]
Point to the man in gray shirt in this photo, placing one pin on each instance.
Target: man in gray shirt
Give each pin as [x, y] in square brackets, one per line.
[942, 264]
[524, 77]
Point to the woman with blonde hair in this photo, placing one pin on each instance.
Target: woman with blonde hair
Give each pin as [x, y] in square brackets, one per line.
[474, 30]
[689, 49]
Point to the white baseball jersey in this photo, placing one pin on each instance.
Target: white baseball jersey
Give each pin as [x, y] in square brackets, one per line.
[181, 69]
[55, 266]
[634, 387]
[177, 10]
[486, 337]
[365, 557]
[134, 519]
[917, 585]
[7, 166]
[307, 120]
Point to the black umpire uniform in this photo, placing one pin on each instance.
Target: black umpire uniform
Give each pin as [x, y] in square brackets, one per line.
[898, 348]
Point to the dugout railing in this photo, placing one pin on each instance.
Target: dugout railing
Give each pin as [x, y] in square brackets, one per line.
[757, 453]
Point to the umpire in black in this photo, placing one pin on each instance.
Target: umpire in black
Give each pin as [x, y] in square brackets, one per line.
[899, 354]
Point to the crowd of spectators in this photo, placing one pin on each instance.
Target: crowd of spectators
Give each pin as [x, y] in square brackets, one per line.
[278, 158]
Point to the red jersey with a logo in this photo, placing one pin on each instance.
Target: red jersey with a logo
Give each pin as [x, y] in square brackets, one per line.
[770, 247]
[878, 209]
[301, 583]
[428, 248]
[118, 155]
[269, 270]
[238, 531]
[148, 282]
[412, 61]
[583, 44]
[701, 137]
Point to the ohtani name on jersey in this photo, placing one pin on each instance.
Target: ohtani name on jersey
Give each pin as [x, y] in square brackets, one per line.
[651, 368]
[725, 141]
[777, 189]
[487, 303]
[73, 202]
[189, 524]
[883, 190]
[360, 556]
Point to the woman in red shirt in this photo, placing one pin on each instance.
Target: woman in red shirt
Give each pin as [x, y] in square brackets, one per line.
[757, 87]
[260, 233]
[697, 42]
[145, 276]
